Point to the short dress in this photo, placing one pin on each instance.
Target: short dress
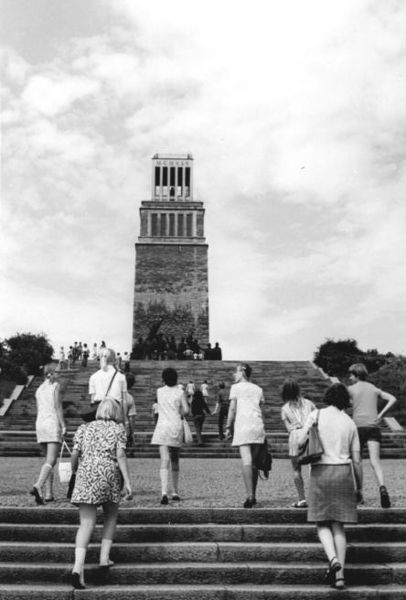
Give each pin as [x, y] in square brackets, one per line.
[248, 424]
[169, 428]
[296, 413]
[98, 478]
[47, 425]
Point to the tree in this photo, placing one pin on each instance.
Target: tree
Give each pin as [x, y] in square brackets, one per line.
[335, 357]
[29, 351]
[391, 377]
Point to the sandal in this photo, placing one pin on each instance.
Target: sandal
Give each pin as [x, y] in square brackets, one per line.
[333, 567]
[340, 583]
[300, 504]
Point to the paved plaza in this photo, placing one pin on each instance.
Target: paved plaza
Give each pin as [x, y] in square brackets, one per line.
[203, 483]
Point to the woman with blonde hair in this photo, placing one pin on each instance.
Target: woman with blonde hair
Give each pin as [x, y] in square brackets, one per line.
[50, 428]
[169, 433]
[245, 412]
[100, 464]
[294, 414]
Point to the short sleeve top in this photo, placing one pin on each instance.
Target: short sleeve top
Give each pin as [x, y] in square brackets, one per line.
[338, 435]
[100, 439]
[364, 399]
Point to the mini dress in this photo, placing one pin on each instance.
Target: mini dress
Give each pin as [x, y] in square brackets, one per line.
[169, 428]
[98, 478]
[47, 425]
[249, 424]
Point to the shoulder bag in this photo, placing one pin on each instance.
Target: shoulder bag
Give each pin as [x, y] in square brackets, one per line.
[312, 448]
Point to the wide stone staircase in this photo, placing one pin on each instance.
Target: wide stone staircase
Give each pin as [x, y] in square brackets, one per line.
[17, 427]
[200, 554]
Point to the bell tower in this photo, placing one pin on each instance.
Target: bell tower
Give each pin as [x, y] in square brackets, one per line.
[171, 266]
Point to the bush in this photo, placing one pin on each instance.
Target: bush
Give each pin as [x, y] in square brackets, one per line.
[13, 372]
[336, 357]
[28, 351]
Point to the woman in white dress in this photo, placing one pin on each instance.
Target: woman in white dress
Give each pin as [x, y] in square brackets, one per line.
[50, 428]
[294, 414]
[249, 432]
[168, 434]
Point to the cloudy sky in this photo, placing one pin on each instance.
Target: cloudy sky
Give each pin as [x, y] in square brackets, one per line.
[295, 113]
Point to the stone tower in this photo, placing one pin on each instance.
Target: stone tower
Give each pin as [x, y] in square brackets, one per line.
[171, 274]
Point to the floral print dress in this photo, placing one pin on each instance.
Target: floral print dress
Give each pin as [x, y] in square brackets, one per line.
[98, 478]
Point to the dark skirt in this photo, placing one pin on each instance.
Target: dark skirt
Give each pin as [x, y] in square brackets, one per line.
[331, 494]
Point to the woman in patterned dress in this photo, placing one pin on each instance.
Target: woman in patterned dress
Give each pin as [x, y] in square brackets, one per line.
[49, 427]
[100, 464]
[168, 433]
[249, 432]
[294, 414]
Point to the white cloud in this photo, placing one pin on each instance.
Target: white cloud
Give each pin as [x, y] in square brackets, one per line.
[51, 94]
[295, 114]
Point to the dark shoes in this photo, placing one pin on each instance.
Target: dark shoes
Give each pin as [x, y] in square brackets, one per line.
[175, 498]
[385, 500]
[76, 583]
[250, 502]
[38, 498]
[164, 499]
[330, 575]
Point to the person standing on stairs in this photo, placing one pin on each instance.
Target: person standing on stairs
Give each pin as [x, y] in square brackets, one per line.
[50, 429]
[245, 412]
[334, 478]
[100, 463]
[294, 414]
[198, 408]
[168, 433]
[364, 400]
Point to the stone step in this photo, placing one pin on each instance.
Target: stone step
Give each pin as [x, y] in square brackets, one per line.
[207, 532]
[202, 592]
[188, 573]
[193, 516]
[203, 552]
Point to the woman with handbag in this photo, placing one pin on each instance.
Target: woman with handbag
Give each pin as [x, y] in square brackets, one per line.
[169, 430]
[332, 495]
[99, 461]
[294, 414]
[249, 432]
[50, 429]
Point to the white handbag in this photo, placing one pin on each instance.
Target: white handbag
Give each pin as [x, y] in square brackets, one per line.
[187, 434]
[64, 468]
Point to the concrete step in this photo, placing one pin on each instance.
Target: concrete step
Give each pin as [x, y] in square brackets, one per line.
[203, 552]
[169, 515]
[202, 592]
[206, 532]
[189, 573]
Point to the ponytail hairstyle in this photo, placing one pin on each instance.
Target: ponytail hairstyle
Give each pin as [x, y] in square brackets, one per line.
[246, 369]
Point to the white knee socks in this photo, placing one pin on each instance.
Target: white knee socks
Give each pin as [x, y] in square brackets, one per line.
[49, 493]
[164, 481]
[105, 551]
[78, 567]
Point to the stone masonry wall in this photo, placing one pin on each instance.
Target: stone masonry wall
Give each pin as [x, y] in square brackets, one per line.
[171, 282]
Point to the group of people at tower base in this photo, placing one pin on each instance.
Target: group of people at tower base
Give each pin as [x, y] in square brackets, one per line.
[101, 473]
